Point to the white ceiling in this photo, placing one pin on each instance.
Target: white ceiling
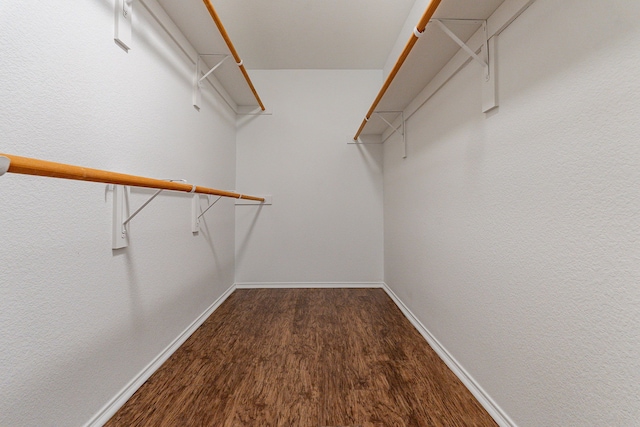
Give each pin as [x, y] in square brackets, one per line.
[313, 34]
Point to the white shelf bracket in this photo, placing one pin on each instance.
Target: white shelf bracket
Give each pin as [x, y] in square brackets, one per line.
[122, 25]
[395, 129]
[487, 58]
[196, 214]
[489, 84]
[120, 226]
[120, 237]
[199, 78]
[462, 44]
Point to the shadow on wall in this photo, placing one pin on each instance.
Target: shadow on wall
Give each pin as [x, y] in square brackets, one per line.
[207, 235]
[136, 301]
[241, 249]
[371, 156]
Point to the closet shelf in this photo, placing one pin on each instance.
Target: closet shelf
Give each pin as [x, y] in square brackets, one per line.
[193, 18]
[428, 50]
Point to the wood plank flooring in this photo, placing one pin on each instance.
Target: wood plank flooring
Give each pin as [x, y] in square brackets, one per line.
[304, 357]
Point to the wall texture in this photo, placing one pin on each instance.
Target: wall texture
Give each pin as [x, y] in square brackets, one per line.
[325, 224]
[520, 253]
[79, 320]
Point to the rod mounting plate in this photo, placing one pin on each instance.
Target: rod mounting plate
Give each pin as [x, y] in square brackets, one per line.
[119, 231]
[122, 24]
[195, 209]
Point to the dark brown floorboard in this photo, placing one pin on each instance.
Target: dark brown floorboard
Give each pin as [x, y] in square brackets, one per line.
[304, 357]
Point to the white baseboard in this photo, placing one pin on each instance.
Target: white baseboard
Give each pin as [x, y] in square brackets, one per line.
[108, 410]
[483, 398]
[307, 285]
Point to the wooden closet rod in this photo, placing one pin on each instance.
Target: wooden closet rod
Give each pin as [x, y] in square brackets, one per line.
[428, 13]
[29, 166]
[232, 49]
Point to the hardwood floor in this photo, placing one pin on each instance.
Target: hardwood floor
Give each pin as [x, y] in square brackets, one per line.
[304, 357]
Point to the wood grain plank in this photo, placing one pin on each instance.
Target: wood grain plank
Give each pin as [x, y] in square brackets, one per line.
[304, 357]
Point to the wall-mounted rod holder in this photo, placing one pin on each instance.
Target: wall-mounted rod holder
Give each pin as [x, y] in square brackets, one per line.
[199, 78]
[395, 129]
[195, 209]
[487, 58]
[212, 68]
[144, 205]
[120, 226]
[120, 237]
[463, 45]
[209, 207]
[122, 24]
[378, 138]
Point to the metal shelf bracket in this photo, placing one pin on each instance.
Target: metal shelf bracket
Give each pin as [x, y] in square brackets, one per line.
[463, 45]
[487, 58]
[122, 24]
[395, 129]
[120, 228]
[199, 78]
[196, 214]
[398, 130]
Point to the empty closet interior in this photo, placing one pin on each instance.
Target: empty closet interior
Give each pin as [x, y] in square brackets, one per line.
[472, 165]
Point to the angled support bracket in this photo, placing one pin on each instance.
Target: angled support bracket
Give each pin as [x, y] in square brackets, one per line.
[487, 58]
[199, 78]
[395, 129]
[196, 214]
[120, 226]
[462, 44]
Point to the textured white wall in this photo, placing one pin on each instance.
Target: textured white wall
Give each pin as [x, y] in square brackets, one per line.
[514, 236]
[325, 224]
[79, 321]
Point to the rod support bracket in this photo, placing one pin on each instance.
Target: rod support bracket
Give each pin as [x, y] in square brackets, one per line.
[5, 162]
[123, 22]
[199, 77]
[120, 227]
[395, 129]
[119, 235]
[487, 58]
[459, 42]
[196, 214]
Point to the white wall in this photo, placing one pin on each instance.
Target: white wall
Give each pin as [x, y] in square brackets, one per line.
[514, 236]
[79, 320]
[325, 224]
